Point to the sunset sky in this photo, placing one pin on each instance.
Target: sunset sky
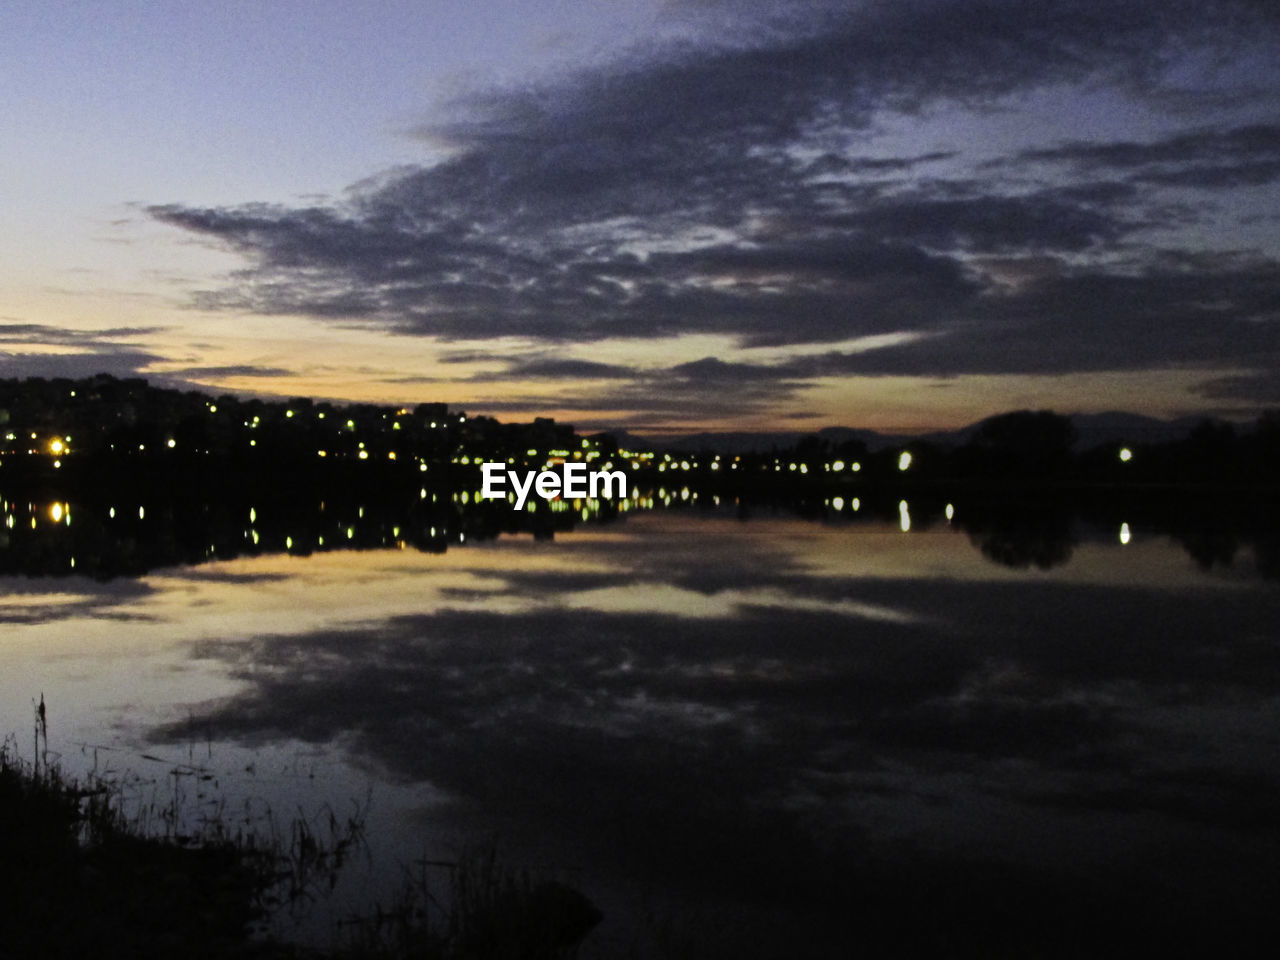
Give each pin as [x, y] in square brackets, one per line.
[662, 215]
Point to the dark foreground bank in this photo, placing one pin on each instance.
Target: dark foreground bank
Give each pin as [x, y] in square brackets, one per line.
[78, 880]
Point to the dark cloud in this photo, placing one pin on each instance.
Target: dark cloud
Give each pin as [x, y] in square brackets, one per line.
[1208, 158]
[236, 370]
[44, 334]
[411, 379]
[725, 186]
[832, 164]
[553, 368]
[119, 362]
[1258, 388]
[992, 224]
[1051, 319]
[86, 352]
[717, 371]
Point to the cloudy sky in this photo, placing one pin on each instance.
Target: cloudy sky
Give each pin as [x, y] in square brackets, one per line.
[655, 214]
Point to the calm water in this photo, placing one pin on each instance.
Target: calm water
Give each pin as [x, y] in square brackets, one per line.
[778, 737]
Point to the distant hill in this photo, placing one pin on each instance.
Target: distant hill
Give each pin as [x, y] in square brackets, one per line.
[1092, 429]
[764, 441]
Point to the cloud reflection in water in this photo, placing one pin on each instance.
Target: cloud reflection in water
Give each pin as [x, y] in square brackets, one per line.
[730, 720]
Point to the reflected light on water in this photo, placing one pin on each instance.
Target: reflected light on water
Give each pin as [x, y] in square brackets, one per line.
[610, 665]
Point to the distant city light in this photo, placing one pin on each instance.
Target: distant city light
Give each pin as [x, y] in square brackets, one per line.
[904, 460]
[56, 446]
[1125, 535]
[904, 516]
[1125, 454]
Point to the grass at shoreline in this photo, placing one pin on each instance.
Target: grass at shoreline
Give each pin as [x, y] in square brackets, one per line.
[79, 879]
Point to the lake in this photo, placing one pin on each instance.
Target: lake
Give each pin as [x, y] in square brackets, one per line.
[740, 734]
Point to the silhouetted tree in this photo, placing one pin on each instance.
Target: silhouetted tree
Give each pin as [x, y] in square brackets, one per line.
[1025, 442]
[1210, 452]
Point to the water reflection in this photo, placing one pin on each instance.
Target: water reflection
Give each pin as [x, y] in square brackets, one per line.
[809, 735]
[39, 538]
[707, 710]
[1022, 536]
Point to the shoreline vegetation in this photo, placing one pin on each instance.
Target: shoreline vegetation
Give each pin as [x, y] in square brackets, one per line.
[80, 877]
